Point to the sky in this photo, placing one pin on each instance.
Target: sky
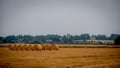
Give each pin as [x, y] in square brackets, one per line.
[41, 17]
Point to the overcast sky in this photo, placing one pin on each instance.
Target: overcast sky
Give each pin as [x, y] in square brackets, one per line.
[38, 17]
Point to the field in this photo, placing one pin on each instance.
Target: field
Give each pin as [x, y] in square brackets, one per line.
[63, 58]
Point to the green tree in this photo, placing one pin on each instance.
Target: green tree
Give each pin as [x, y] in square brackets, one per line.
[28, 38]
[10, 39]
[113, 36]
[84, 36]
[1, 38]
[117, 40]
[101, 37]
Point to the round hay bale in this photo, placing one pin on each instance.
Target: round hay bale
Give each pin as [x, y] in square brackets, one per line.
[21, 46]
[26, 47]
[37, 47]
[11, 47]
[54, 47]
[47, 47]
[43, 46]
[40, 47]
[16, 46]
[31, 47]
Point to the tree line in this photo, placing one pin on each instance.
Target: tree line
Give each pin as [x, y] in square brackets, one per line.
[53, 38]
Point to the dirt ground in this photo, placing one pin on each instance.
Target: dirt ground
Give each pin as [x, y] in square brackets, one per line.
[63, 58]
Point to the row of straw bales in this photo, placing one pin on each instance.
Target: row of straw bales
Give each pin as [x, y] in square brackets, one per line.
[33, 47]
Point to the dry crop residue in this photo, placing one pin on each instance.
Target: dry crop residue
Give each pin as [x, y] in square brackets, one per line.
[62, 58]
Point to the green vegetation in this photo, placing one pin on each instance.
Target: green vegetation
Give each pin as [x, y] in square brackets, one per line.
[90, 46]
[51, 38]
[117, 40]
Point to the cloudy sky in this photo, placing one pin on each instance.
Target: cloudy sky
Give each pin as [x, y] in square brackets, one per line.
[37, 17]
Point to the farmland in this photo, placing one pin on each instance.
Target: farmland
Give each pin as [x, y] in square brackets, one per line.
[62, 58]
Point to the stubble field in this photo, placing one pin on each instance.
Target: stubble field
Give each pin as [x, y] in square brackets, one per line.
[62, 58]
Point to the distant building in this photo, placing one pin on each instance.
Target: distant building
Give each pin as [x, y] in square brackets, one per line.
[49, 41]
[94, 42]
[79, 42]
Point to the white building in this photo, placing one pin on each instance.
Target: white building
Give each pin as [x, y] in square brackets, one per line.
[94, 41]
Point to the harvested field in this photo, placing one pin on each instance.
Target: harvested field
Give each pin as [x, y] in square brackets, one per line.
[62, 58]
